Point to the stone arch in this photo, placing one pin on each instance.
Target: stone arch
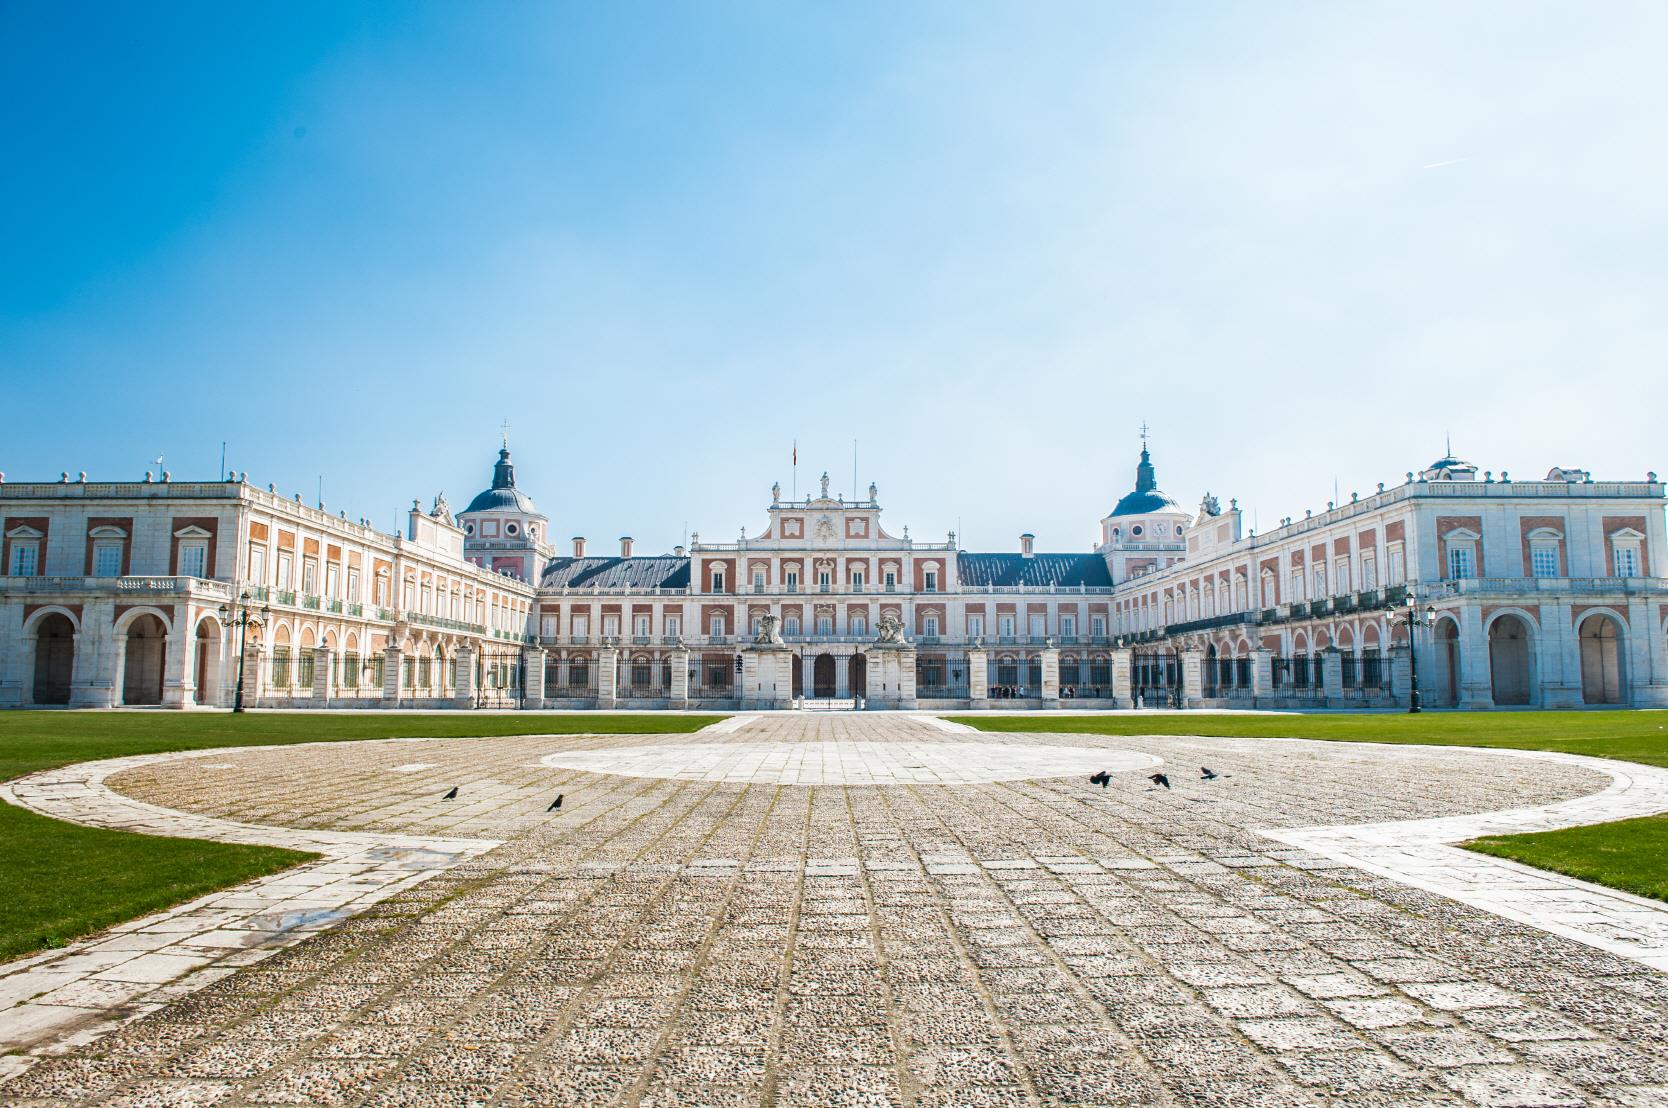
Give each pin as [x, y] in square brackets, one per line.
[207, 659]
[145, 653]
[1511, 661]
[53, 631]
[1603, 642]
[1445, 650]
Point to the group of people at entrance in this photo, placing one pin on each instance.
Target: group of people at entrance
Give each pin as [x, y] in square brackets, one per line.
[1008, 692]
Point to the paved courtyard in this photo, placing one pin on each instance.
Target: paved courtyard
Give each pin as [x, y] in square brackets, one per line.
[877, 909]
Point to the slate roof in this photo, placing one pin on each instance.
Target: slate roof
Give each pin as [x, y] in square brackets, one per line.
[664, 571]
[1039, 569]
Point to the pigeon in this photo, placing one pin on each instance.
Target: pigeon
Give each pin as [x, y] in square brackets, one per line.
[1099, 778]
[1207, 774]
[1160, 779]
[555, 804]
[453, 795]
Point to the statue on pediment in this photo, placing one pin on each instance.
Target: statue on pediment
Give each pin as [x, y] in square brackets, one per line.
[442, 510]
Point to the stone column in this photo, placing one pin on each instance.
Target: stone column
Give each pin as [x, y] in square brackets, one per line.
[1051, 677]
[1401, 675]
[1262, 673]
[608, 676]
[906, 678]
[532, 686]
[1193, 678]
[253, 658]
[321, 676]
[978, 677]
[94, 682]
[807, 676]
[1558, 657]
[1332, 677]
[463, 691]
[680, 678]
[1475, 686]
[1121, 694]
[1647, 662]
[391, 661]
[177, 685]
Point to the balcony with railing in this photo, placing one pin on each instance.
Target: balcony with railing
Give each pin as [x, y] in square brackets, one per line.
[125, 586]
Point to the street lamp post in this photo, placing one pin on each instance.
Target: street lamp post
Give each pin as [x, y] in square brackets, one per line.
[242, 618]
[1410, 612]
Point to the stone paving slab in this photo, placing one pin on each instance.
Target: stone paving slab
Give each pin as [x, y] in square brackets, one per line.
[1031, 941]
[91, 986]
[1417, 852]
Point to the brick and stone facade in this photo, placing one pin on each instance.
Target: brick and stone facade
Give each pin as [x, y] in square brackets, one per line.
[1542, 593]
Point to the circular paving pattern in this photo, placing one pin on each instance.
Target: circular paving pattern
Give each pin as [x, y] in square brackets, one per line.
[850, 763]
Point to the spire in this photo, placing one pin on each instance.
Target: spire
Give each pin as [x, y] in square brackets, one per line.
[503, 474]
[1145, 479]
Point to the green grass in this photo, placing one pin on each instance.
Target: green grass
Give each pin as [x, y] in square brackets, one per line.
[1629, 736]
[1631, 855]
[63, 881]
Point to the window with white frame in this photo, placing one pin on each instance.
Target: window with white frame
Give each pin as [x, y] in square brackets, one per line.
[107, 559]
[1005, 626]
[25, 558]
[547, 627]
[758, 580]
[1320, 583]
[1097, 626]
[825, 626]
[929, 625]
[610, 626]
[581, 625]
[1369, 572]
[975, 625]
[380, 590]
[1268, 590]
[353, 588]
[1340, 575]
[1297, 587]
[790, 579]
[790, 625]
[857, 579]
[408, 595]
[859, 624]
[824, 579]
[1395, 564]
[257, 564]
[309, 576]
[1543, 553]
[717, 580]
[1626, 556]
[715, 627]
[891, 580]
[332, 578]
[930, 580]
[1068, 626]
[194, 558]
[640, 626]
[1462, 555]
[286, 565]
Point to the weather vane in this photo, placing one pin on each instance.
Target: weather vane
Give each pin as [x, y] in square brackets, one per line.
[504, 429]
[1143, 430]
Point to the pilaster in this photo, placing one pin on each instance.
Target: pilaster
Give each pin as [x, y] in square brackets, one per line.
[1332, 677]
[680, 678]
[322, 685]
[1193, 678]
[532, 680]
[392, 660]
[978, 677]
[1121, 693]
[463, 691]
[1051, 677]
[608, 676]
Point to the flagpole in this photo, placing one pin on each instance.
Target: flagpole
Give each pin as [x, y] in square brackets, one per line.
[796, 469]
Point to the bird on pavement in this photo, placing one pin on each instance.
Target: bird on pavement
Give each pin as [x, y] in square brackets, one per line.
[1207, 774]
[1100, 778]
[453, 795]
[1160, 779]
[555, 804]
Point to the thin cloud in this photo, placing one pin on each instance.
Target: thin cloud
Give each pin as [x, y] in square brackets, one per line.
[1451, 161]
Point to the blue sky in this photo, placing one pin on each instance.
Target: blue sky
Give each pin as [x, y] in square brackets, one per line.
[1302, 241]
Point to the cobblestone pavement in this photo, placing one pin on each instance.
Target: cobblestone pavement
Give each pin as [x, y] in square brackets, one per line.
[673, 940]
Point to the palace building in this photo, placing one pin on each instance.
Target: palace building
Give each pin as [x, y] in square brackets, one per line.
[1546, 593]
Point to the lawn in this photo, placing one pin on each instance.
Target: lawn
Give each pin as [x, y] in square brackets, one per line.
[1631, 855]
[64, 881]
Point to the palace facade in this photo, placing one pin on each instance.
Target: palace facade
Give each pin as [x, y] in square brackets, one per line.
[1547, 593]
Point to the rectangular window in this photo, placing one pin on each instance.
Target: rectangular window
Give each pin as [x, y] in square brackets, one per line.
[792, 580]
[194, 559]
[1627, 561]
[790, 625]
[581, 626]
[332, 581]
[1395, 568]
[1543, 560]
[1005, 626]
[610, 626]
[25, 559]
[353, 587]
[931, 580]
[257, 565]
[824, 579]
[1320, 583]
[1268, 591]
[857, 579]
[309, 576]
[758, 580]
[1068, 626]
[717, 580]
[1461, 561]
[674, 626]
[640, 625]
[107, 560]
[825, 626]
[859, 625]
[1369, 572]
[285, 565]
[715, 627]
[547, 627]
[1340, 576]
[930, 626]
[891, 579]
[1097, 627]
[1297, 587]
[975, 625]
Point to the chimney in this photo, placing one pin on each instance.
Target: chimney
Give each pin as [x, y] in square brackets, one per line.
[625, 546]
[1025, 542]
[678, 550]
[579, 546]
